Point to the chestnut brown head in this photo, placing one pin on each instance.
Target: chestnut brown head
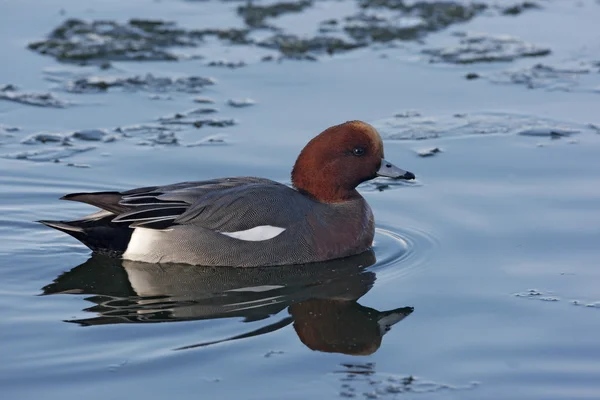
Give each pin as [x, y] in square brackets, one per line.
[336, 161]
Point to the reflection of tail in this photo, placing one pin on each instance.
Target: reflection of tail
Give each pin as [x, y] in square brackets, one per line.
[100, 276]
[97, 231]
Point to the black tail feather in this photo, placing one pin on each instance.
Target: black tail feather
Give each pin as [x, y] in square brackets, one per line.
[101, 235]
[105, 200]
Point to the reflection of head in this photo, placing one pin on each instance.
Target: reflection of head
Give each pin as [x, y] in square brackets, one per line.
[338, 326]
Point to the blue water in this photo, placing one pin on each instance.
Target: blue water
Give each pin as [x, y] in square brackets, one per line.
[495, 246]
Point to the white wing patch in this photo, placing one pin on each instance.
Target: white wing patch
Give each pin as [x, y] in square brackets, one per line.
[256, 234]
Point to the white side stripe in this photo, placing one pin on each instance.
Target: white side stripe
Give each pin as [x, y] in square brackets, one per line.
[256, 234]
[257, 289]
[142, 242]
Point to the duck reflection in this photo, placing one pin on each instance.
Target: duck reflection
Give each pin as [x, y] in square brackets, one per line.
[321, 298]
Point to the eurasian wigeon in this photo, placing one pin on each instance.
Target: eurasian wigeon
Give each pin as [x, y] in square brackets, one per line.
[247, 221]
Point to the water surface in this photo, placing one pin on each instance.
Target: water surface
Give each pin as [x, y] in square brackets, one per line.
[485, 269]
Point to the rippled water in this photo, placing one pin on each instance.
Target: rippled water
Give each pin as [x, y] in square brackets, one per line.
[483, 281]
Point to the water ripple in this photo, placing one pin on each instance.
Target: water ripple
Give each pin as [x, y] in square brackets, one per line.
[401, 252]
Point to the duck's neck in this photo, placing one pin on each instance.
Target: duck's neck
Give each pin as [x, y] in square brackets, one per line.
[321, 186]
[330, 196]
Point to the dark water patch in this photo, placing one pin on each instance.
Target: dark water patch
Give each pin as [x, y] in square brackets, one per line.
[240, 103]
[215, 123]
[47, 137]
[150, 134]
[328, 26]
[190, 118]
[202, 111]
[290, 57]
[420, 7]
[12, 93]
[408, 114]
[554, 133]
[56, 146]
[520, 8]
[148, 82]
[378, 32]
[421, 127]
[548, 296]
[66, 139]
[255, 15]
[9, 129]
[93, 135]
[364, 381]
[427, 16]
[203, 100]
[80, 41]
[272, 353]
[161, 138]
[77, 40]
[232, 35]
[484, 48]
[160, 97]
[436, 13]
[559, 77]
[400, 20]
[129, 131]
[444, 13]
[226, 64]
[595, 304]
[268, 58]
[53, 154]
[296, 47]
[537, 295]
[429, 152]
[76, 165]
[594, 127]
[212, 140]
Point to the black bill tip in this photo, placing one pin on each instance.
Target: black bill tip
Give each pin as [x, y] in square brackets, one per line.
[408, 176]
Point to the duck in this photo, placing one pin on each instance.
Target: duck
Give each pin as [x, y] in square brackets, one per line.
[247, 221]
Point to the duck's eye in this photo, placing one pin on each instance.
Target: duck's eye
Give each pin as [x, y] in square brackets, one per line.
[358, 151]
